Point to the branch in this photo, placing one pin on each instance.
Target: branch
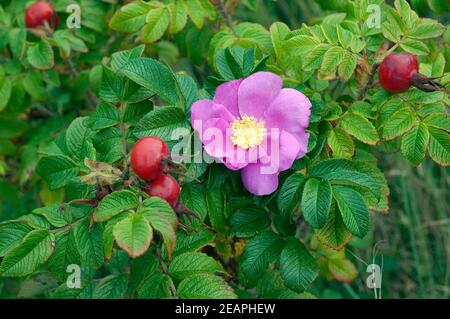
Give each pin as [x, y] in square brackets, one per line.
[369, 83]
[227, 17]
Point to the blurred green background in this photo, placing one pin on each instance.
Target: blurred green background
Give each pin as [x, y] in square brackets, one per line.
[411, 243]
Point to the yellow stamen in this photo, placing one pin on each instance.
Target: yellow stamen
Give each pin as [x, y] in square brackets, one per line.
[247, 132]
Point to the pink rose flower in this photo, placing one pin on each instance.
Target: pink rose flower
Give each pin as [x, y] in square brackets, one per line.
[256, 126]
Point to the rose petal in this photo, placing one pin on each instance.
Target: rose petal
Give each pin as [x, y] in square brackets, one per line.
[257, 92]
[289, 111]
[217, 143]
[214, 137]
[227, 95]
[258, 183]
[281, 148]
[203, 110]
[303, 138]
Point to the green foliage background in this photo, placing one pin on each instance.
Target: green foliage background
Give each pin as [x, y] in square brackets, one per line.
[370, 181]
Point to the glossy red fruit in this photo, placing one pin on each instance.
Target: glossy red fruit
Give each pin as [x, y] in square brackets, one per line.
[398, 71]
[40, 12]
[147, 156]
[165, 187]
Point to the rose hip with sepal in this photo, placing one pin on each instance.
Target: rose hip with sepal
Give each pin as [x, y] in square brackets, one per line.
[147, 157]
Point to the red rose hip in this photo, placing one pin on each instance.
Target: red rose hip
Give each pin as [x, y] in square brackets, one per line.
[147, 156]
[39, 13]
[397, 72]
[165, 187]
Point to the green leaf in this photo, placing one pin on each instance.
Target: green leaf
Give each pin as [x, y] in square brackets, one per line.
[108, 144]
[108, 235]
[297, 266]
[55, 215]
[316, 202]
[313, 59]
[5, 92]
[341, 143]
[57, 171]
[114, 204]
[120, 58]
[354, 212]
[398, 124]
[65, 254]
[227, 65]
[278, 32]
[359, 127]
[40, 55]
[78, 136]
[289, 294]
[35, 221]
[89, 243]
[324, 167]
[247, 222]
[105, 115]
[342, 269]
[157, 22]
[262, 250]
[134, 112]
[188, 89]
[334, 234]
[215, 203]
[426, 29]
[189, 264]
[391, 30]
[156, 286]
[414, 46]
[439, 147]
[111, 287]
[205, 286]
[301, 43]
[64, 292]
[331, 59]
[163, 219]
[192, 242]
[414, 144]
[11, 235]
[271, 285]
[154, 76]
[290, 195]
[32, 252]
[142, 268]
[130, 18]
[199, 10]
[17, 38]
[438, 120]
[133, 234]
[193, 197]
[112, 86]
[347, 67]
[161, 122]
[352, 177]
[178, 16]
[33, 85]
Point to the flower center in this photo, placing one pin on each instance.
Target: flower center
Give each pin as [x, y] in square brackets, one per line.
[247, 132]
